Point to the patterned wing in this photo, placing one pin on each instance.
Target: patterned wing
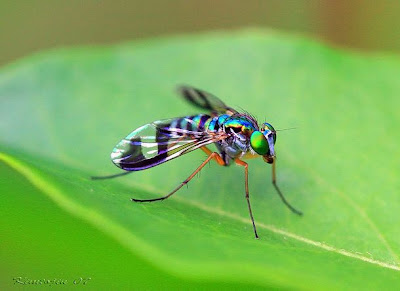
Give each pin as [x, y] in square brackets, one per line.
[159, 142]
[205, 100]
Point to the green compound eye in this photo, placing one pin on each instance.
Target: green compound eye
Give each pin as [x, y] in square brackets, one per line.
[259, 143]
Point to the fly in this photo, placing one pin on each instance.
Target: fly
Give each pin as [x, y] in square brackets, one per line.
[237, 136]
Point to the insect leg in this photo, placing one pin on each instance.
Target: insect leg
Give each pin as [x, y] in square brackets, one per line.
[217, 158]
[110, 176]
[214, 155]
[294, 210]
[246, 184]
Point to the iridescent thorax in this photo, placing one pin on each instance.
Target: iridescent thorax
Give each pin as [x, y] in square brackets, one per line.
[247, 140]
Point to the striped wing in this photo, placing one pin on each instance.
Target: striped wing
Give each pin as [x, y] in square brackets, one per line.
[159, 142]
[205, 100]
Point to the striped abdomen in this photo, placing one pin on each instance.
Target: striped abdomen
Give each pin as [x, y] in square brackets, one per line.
[197, 122]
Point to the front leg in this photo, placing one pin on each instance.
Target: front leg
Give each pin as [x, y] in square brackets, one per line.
[294, 210]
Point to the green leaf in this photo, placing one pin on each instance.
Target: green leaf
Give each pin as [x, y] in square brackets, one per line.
[63, 111]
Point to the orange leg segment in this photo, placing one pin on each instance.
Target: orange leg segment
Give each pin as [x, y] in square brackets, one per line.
[217, 158]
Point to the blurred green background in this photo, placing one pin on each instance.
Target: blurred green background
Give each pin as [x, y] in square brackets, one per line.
[29, 26]
[346, 80]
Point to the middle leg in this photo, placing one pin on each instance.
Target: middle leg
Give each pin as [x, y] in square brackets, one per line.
[246, 184]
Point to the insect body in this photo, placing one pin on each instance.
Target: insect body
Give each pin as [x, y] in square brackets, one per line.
[237, 136]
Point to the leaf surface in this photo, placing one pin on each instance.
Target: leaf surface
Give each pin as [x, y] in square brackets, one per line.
[63, 111]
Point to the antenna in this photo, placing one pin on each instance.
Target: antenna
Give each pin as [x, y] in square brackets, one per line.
[290, 128]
